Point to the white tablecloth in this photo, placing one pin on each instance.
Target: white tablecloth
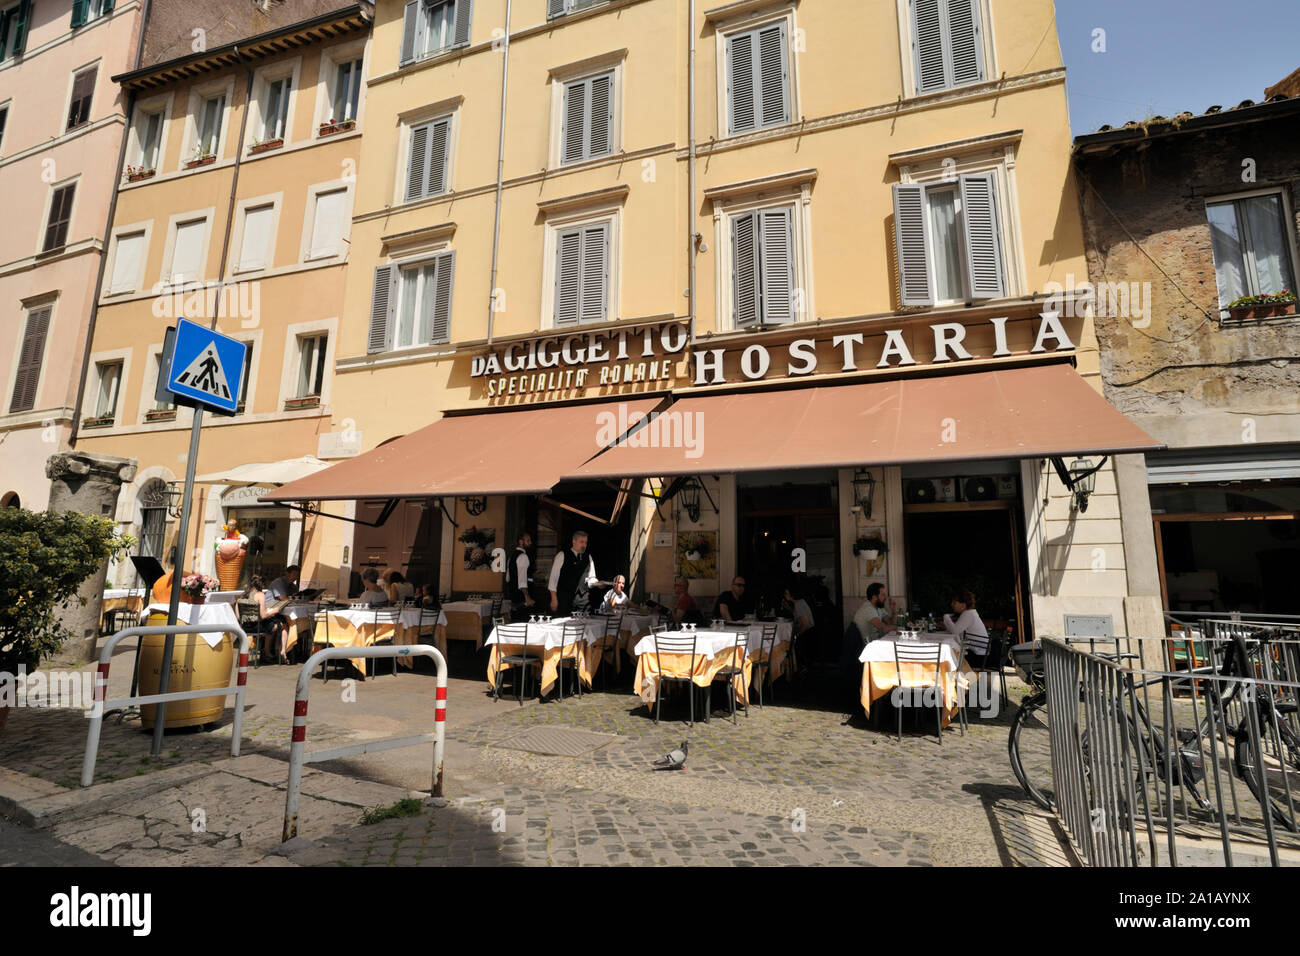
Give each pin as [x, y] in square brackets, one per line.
[481, 608]
[122, 593]
[882, 650]
[710, 643]
[407, 617]
[223, 614]
[224, 597]
[550, 634]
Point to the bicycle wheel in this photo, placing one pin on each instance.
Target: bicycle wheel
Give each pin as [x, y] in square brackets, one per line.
[1268, 777]
[1030, 748]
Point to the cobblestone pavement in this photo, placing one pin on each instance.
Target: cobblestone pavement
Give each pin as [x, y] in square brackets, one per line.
[797, 782]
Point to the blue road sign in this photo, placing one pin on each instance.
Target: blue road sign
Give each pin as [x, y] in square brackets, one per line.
[206, 366]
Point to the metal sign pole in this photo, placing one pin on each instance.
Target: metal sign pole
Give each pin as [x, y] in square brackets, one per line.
[178, 573]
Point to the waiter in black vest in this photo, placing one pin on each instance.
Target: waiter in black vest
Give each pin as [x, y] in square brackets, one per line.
[518, 579]
[572, 576]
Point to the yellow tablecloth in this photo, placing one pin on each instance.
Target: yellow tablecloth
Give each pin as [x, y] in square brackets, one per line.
[134, 603]
[879, 678]
[550, 661]
[679, 665]
[343, 633]
[465, 626]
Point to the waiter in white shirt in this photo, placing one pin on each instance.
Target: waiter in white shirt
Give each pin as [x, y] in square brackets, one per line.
[572, 576]
[517, 578]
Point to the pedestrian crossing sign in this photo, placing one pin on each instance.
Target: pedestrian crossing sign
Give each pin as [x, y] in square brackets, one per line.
[206, 366]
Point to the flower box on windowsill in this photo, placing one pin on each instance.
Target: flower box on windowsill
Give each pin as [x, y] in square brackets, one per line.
[307, 401]
[265, 147]
[103, 421]
[205, 161]
[160, 415]
[329, 129]
[1245, 312]
[143, 174]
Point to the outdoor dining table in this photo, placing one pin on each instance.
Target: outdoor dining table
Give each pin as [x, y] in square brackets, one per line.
[880, 671]
[116, 598]
[355, 627]
[217, 614]
[546, 640]
[714, 650]
[465, 619]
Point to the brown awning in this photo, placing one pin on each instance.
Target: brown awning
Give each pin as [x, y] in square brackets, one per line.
[1034, 412]
[499, 453]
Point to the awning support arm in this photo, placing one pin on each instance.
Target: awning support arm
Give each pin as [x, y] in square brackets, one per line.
[1069, 480]
[389, 507]
[442, 503]
[709, 496]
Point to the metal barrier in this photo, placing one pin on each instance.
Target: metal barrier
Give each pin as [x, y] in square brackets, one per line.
[297, 749]
[101, 686]
[1203, 764]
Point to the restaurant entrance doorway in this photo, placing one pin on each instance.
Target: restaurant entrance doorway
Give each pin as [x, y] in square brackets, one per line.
[585, 506]
[410, 541]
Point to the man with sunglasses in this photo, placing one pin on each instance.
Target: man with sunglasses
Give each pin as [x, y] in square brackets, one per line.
[732, 605]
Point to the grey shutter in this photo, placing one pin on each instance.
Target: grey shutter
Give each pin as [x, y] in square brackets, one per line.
[773, 74]
[383, 306]
[108, 6]
[554, 8]
[80, 11]
[927, 44]
[417, 162]
[979, 216]
[30, 358]
[568, 277]
[966, 56]
[595, 273]
[575, 111]
[740, 82]
[912, 245]
[601, 127]
[411, 16]
[776, 269]
[460, 35]
[20, 25]
[440, 326]
[436, 180]
[744, 253]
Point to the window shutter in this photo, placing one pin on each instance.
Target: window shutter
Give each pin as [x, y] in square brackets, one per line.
[744, 251]
[776, 237]
[595, 273]
[29, 360]
[463, 11]
[912, 245]
[20, 26]
[126, 263]
[740, 81]
[773, 74]
[436, 181]
[979, 214]
[383, 304]
[575, 111]
[967, 55]
[602, 116]
[56, 229]
[187, 251]
[554, 8]
[410, 24]
[927, 41]
[417, 162]
[440, 327]
[568, 277]
[107, 7]
[327, 226]
[80, 11]
[257, 237]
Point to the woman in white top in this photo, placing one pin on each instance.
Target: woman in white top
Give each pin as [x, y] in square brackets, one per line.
[964, 619]
[374, 593]
[399, 589]
[616, 596]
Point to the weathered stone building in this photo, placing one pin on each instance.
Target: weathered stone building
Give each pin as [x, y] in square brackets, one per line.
[1181, 217]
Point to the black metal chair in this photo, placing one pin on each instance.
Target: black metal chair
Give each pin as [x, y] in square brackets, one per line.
[766, 645]
[995, 653]
[121, 617]
[515, 634]
[735, 671]
[675, 644]
[571, 633]
[250, 620]
[920, 653]
[610, 646]
[390, 616]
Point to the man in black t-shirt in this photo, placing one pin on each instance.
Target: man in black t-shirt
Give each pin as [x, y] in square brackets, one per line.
[732, 605]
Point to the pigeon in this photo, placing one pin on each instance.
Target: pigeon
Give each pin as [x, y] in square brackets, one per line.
[673, 760]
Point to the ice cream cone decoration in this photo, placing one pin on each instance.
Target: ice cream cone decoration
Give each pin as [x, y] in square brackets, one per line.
[230, 556]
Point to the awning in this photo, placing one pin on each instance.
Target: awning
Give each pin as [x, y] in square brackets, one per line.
[523, 452]
[265, 472]
[1035, 412]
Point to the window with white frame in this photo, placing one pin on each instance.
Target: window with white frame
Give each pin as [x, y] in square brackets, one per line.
[256, 243]
[428, 159]
[346, 94]
[148, 138]
[187, 251]
[59, 220]
[128, 259]
[31, 357]
[587, 122]
[160, 375]
[947, 43]
[412, 303]
[275, 107]
[758, 78]
[583, 273]
[83, 94]
[948, 239]
[109, 379]
[329, 217]
[208, 123]
[14, 21]
[1252, 244]
[431, 26]
[763, 267]
[312, 350]
[87, 11]
[558, 8]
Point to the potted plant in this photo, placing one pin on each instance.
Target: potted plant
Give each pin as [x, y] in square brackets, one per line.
[202, 157]
[334, 126]
[136, 173]
[195, 587]
[97, 421]
[160, 415]
[306, 401]
[1263, 306]
[265, 145]
[871, 547]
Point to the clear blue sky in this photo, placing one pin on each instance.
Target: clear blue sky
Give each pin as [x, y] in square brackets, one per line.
[1166, 56]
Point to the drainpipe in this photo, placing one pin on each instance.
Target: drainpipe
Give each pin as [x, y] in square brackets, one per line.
[691, 237]
[501, 160]
[234, 186]
[108, 238]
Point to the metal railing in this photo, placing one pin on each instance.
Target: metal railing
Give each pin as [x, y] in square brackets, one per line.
[1195, 766]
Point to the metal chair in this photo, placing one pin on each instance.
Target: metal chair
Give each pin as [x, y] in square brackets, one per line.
[677, 644]
[385, 615]
[920, 653]
[121, 617]
[250, 619]
[994, 656]
[493, 615]
[571, 632]
[766, 645]
[321, 616]
[515, 634]
[735, 670]
[610, 645]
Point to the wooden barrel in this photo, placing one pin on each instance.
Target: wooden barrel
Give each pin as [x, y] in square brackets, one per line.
[195, 666]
